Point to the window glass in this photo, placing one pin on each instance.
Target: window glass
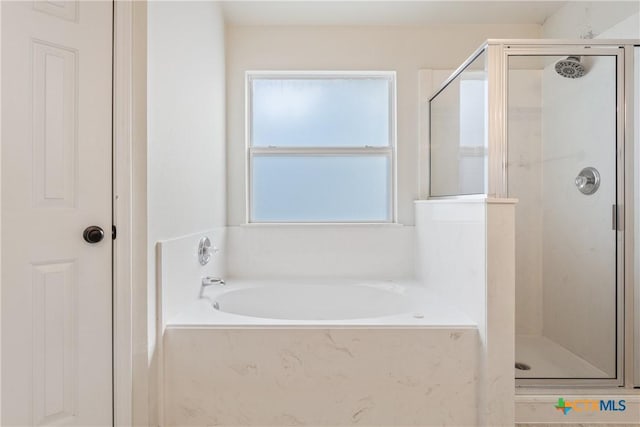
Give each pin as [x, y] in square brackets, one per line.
[320, 188]
[320, 112]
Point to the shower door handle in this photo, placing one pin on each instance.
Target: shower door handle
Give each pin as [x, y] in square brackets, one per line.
[616, 222]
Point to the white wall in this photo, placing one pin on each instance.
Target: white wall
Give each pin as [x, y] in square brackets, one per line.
[596, 19]
[343, 251]
[186, 130]
[404, 49]
[628, 28]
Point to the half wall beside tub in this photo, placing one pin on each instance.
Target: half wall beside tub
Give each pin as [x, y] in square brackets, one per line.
[465, 255]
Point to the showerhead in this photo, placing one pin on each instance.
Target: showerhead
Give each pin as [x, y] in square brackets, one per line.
[571, 67]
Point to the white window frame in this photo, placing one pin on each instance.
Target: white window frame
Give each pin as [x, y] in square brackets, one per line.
[389, 151]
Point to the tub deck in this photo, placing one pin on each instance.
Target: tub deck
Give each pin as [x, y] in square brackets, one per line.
[427, 309]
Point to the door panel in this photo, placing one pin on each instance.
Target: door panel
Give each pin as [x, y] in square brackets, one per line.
[56, 181]
[54, 125]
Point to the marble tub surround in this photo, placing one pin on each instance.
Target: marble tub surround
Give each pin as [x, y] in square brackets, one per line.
[381, 251]
[320, 376]
[446, 361]
[465, 252]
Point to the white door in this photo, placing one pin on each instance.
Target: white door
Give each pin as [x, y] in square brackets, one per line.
[56, 181]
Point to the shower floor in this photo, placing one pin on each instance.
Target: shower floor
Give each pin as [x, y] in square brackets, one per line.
[548, 359]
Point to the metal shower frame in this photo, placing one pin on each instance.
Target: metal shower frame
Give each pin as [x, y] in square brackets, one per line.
[497, 53]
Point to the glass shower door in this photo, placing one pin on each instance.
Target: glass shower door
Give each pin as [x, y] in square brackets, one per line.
[562, 152]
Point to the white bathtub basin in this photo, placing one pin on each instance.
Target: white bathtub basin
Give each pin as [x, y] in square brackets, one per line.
[316, 301]
[338, 302]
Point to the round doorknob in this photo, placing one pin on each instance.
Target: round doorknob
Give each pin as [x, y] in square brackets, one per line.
[93, 234]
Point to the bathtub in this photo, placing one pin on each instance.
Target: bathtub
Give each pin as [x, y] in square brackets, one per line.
[321, 303]
[319, 352]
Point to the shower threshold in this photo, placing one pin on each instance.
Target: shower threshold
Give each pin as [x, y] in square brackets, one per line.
[547, 359]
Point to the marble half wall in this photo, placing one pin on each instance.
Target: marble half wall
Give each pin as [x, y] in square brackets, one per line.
[321, 377]
[465, 253]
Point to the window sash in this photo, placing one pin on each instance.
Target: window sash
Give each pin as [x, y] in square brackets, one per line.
[389, 76]
[389, 151]
[310, 151]
[386, 152]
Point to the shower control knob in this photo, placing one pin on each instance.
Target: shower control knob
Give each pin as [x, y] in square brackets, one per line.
[588, 180]
[93, 234]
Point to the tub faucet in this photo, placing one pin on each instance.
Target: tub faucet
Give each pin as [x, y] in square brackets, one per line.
[210, 281]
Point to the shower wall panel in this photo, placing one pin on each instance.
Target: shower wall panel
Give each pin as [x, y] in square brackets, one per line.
[525, 183]
[579, 122]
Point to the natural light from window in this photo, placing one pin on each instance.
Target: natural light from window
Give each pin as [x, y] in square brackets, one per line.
[321, 147]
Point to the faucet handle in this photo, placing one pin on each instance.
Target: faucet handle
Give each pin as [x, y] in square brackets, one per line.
[208, 281]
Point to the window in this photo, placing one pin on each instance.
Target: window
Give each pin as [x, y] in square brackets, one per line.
[321, 147]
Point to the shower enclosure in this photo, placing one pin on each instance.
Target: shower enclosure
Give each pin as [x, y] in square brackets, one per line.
[549, 123]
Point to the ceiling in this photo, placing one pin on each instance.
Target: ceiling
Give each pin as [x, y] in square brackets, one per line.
[387, 12]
